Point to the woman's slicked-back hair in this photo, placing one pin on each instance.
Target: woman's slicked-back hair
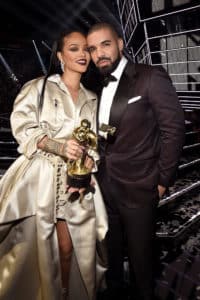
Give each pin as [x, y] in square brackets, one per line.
[64, 33]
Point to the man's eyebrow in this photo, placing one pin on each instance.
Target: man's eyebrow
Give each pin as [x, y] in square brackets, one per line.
[73, 44]
[105, 41]
[102, 42]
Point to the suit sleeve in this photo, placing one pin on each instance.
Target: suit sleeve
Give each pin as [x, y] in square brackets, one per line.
[170, 118]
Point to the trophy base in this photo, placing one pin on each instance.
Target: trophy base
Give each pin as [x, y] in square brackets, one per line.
[79, 181]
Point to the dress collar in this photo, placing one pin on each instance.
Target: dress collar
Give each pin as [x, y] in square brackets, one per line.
[56, 78]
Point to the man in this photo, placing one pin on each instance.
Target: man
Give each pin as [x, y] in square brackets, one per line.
[141, 128]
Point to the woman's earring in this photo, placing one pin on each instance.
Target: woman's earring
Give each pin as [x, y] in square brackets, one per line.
[62, 66]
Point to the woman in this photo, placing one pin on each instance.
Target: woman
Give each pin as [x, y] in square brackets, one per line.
[47, 238]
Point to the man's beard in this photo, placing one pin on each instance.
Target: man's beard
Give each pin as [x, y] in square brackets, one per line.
[105, 70]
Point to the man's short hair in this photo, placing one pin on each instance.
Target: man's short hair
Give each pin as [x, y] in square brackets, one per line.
[102, 25]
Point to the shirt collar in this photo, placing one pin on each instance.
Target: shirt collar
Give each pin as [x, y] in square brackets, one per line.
[120, 68]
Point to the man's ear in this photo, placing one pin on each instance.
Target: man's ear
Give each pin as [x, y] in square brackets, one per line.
[120, 44]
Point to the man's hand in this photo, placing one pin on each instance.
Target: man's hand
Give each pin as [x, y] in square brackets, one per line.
[161, 190]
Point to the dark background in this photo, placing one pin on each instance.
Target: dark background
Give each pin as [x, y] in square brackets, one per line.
[171, 37]
[22, 21]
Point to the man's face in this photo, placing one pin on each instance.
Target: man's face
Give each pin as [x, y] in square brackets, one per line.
[105, 49]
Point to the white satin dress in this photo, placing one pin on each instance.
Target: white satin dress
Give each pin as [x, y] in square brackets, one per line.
[33, 195]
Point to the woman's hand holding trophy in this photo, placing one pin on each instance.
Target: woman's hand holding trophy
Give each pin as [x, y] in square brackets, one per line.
[80, 165]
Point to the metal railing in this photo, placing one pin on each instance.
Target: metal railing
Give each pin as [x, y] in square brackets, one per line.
[175, 47]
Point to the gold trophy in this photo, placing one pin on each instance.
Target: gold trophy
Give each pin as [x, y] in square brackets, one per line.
[78, 175]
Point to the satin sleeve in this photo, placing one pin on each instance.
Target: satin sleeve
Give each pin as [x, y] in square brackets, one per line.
[25, 124]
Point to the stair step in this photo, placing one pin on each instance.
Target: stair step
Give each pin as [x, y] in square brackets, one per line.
[176, 223]
[196, 145]
[165, 201]
[192, 163]
[6, 161]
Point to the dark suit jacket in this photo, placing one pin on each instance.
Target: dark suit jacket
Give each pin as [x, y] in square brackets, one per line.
[150, 132]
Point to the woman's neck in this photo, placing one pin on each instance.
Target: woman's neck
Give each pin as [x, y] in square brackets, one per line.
[72, 82]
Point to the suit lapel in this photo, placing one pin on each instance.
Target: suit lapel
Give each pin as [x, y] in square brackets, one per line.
[123, 93]
[98, 106]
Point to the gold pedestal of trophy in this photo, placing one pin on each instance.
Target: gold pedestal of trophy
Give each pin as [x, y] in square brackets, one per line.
[78, 175]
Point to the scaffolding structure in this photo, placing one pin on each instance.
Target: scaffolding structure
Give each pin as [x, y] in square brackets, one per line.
[158, 34]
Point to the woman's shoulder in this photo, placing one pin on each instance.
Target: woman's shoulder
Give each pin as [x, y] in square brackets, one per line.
[36, 82]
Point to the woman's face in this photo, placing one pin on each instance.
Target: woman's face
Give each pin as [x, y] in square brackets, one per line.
[74, 53]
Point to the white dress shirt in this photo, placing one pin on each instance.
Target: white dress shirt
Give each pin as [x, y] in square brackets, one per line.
[108, 94]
